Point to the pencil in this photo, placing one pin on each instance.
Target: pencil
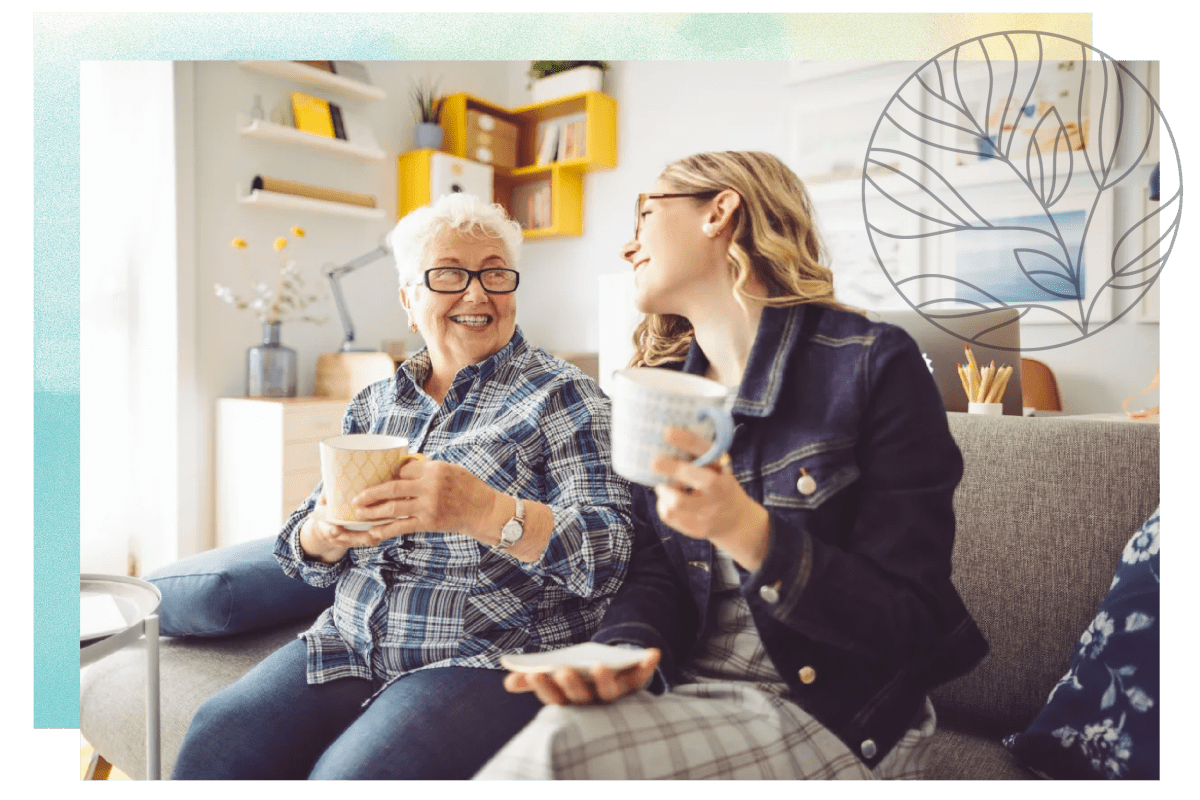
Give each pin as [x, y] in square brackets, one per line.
[962, 375]
[985, 385]
[972, 370]
[1001, 383]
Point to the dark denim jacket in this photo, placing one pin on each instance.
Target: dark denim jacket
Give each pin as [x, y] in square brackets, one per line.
[853, 601]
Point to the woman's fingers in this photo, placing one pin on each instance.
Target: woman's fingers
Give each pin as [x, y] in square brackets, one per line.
[517, 683]
[547, 689]
[689, 441]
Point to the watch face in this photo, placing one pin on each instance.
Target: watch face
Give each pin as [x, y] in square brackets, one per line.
[511, 532]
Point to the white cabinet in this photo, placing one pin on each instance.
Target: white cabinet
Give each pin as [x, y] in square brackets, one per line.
[268, 460]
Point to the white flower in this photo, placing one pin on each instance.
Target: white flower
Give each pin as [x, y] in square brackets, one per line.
[1142, 546]
[1096, 636]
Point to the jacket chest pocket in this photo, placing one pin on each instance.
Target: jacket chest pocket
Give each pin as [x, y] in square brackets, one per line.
[807, 477]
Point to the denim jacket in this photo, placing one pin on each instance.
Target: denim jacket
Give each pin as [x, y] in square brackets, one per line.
[853, 600]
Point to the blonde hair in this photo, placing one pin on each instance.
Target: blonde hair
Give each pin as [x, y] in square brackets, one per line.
[464, 213]
[774, 239]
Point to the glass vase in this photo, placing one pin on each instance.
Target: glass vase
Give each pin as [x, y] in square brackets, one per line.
[270, 366]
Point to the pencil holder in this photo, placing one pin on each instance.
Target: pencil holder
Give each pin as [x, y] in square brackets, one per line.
[990, 409]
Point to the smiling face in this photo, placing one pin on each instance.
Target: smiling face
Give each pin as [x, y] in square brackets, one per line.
[673, 259]
[464, 327]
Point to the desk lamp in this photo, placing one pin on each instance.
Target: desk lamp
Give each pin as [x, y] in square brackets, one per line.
[344, 373]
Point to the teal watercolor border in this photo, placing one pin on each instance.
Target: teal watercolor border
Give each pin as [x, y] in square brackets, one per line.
[55, 414]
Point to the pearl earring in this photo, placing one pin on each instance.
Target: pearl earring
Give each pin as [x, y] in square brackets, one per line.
[412, 326]
[707, 228]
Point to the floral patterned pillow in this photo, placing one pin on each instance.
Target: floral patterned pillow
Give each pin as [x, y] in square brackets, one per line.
[1101, 720]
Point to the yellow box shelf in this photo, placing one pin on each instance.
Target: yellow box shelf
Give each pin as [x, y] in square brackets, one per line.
[565, 177]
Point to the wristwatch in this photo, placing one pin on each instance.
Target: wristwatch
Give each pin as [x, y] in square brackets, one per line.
[514, 529]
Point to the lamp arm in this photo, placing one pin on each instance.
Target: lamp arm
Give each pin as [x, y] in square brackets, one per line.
[335, 273]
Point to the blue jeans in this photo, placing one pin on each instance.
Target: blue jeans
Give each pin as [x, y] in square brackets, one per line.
[434, 723]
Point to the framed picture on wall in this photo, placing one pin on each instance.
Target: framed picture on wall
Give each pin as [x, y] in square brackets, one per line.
[1055, 266]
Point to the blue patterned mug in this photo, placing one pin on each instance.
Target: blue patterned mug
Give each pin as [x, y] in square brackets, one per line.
[646, 401]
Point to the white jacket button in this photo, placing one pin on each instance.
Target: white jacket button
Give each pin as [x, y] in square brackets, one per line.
[807, 675]
[868, 748]
[806, 485]
[770, 593]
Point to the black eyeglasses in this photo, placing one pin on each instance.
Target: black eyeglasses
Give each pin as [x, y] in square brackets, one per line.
[449, 280]
[641, 198]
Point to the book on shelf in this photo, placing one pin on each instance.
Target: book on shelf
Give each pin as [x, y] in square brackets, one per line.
[531, 205]
[548, 147]
[317, 116]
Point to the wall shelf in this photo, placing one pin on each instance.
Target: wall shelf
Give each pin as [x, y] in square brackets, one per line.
[271, 131]
[311, 76]
[564, 178]
[262, 198]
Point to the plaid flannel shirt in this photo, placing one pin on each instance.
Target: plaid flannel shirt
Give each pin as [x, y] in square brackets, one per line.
[525, 423]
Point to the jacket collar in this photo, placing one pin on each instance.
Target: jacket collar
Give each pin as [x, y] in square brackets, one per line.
[778, 334]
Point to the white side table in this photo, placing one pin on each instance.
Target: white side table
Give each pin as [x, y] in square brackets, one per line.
[136, 605]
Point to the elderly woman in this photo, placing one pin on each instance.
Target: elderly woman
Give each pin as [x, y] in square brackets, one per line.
[794, 601]
[510, 537]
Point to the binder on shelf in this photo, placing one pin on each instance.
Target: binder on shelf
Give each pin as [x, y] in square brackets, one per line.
[317, 116]
[315, 192]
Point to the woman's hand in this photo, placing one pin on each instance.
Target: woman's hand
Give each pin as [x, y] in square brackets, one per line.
[328, 542]
[708, 503]
[567, 686]
[434, 496]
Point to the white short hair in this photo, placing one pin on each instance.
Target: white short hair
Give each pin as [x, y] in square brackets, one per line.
[460, 212]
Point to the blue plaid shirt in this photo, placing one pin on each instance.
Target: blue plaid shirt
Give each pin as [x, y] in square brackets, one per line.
[525, 423]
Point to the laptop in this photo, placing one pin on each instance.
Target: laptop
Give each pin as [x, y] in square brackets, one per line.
[998, 338]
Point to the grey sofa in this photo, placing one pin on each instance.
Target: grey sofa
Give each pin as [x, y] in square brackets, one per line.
[1044, 510]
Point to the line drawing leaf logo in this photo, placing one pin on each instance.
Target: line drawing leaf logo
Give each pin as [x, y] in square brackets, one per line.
[1027, 177]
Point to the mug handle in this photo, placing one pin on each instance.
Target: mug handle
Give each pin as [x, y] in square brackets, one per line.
[724, 438]
[407, 457]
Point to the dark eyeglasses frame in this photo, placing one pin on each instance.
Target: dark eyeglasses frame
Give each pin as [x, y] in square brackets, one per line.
[641, 198]
[476, 274]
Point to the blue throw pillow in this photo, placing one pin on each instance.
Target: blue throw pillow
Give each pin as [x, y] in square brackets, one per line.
[1101, 720]
[233, 589]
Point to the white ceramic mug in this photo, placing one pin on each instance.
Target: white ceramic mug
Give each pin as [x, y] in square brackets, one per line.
[646, 401]
[357, 461]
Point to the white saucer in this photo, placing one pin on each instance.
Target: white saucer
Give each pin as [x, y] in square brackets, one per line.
[580, 656]
[358, 524]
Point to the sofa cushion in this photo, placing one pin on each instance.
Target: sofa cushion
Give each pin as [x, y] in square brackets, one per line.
[1044, 509]
[231, 590]
[1102, 720]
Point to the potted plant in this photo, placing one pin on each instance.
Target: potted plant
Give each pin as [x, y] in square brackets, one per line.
[553, 79]
[428, 133]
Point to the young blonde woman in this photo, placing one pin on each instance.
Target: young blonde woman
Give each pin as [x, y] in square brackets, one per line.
[796, 602]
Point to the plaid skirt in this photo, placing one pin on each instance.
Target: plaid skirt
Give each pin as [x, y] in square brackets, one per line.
[729, 719]
[695, 731]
